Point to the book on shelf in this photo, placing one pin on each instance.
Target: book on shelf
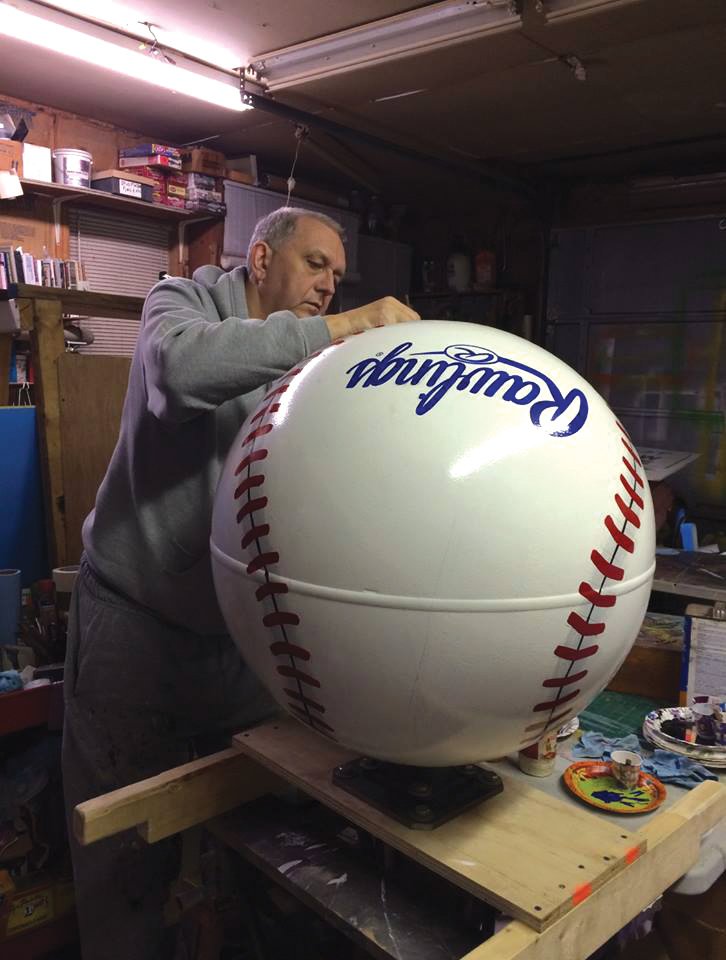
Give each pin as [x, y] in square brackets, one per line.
[155, 160]
[17, 266]
[150, 150]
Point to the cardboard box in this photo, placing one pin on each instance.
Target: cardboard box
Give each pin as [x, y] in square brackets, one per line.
[11, 156]
[202, 181]
[37, 163]
[121, 187]
[124, 175]
[209, 196]
[154, 175]
[176, 185]
[150, 150]
[201, 160]
[36, 902]
[155, 160]
[239, 176]
[246, 166]
[171, 201]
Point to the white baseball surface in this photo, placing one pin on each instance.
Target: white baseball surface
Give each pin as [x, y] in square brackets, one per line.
[433, 542]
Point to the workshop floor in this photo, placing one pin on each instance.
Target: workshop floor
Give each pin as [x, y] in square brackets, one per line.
[651, 948]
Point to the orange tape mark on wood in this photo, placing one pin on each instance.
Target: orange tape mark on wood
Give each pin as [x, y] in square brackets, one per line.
[632, 855]
[581, 893]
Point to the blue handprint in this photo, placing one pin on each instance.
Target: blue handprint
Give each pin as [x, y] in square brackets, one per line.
[630, 799]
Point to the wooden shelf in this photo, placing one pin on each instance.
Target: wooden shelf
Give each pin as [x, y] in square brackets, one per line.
[99, 198]
[85, 302]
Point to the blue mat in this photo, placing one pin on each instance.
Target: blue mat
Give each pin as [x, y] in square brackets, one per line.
[22, 526]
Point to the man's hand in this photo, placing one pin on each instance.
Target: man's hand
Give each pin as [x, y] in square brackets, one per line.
[377, 314]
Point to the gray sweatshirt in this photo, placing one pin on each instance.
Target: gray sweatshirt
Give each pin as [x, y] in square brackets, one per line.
[200, 367]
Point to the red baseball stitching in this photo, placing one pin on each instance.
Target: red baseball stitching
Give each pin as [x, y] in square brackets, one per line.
[625, 513]
[255, 531]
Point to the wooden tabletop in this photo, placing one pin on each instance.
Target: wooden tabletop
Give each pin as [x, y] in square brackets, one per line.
[691, 574]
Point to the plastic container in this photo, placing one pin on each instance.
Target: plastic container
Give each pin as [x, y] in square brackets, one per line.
[72, 167]
[7, 127]
[125, 188]
[9, 605]
[458, 271]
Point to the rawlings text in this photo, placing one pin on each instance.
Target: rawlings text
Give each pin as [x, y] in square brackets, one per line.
[478, 371]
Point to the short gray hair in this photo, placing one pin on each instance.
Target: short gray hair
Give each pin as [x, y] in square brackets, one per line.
[274, 228]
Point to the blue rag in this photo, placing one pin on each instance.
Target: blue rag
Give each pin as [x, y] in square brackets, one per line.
[593, 744]
[9, 681]
[666, 766]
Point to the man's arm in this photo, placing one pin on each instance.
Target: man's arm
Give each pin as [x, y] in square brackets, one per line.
[193, 361]
[377, 314]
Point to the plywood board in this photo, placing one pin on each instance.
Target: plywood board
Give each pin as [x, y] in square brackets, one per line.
[174, 800]
[674, 844]
[526, 853]
[92, 391]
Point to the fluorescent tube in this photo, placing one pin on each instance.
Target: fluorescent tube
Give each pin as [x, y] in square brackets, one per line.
[101, 47]
[425, 28]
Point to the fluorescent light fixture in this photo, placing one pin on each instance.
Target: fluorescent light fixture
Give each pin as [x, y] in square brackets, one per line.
[397, 96]
[53, 30]
[426, 28]
[564, 9]
[131, 19]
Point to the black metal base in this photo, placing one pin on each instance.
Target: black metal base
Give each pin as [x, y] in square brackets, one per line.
[419, 797]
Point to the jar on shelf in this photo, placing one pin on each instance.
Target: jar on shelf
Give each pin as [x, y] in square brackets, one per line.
[458, 267]
[484, 269]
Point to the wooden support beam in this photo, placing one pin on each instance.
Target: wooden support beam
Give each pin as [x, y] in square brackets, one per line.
[48, 345]
[176, 799]
[674, 840]
[6, 347]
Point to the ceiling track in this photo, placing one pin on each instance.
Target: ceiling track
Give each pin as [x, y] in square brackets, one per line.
[474, 171]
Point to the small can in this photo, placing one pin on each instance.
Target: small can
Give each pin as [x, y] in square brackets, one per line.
[538, 759]
[705, 722]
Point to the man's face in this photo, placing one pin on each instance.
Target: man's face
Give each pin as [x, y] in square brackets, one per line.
[302, 274]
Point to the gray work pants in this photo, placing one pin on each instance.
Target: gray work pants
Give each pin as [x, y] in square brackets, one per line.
[141, 696]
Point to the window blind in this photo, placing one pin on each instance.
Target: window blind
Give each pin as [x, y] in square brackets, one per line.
[246, 205]
[121, 254]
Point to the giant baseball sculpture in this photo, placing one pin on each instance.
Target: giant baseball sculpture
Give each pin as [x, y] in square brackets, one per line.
[433, 542]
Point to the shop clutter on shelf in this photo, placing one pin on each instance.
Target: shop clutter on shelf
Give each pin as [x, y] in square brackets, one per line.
[187, 179]
[17, 266]
[33, 620]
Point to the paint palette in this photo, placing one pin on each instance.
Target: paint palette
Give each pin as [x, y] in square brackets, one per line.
[654, 731]
[592, 781]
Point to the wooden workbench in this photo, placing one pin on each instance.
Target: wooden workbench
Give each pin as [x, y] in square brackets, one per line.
[691, 574]
[41, 312]
[571, 879]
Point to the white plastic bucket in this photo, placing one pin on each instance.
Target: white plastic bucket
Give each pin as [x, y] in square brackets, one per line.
[72, 167]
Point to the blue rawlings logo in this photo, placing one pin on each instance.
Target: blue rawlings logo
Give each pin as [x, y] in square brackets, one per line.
[478, 371]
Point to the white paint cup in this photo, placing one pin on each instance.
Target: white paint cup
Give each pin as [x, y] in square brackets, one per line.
[626, 766]
[538, 760]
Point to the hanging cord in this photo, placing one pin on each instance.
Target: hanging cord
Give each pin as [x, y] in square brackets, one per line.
[156, 49]
[301, 133]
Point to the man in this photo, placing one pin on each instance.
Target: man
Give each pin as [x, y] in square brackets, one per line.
[152, 677]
